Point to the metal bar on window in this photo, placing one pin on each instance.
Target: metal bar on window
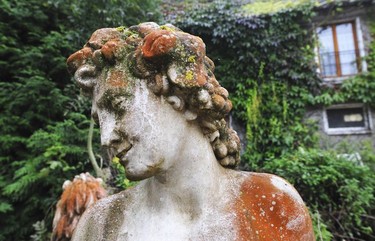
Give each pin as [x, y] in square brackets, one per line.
[328, 63]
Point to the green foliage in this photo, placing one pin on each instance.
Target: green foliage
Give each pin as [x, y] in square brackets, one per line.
[54, 155]
[84, 17]
[120, 180]
[43, 119]
[41, 232]
[370, 59]
[360, 89]
[336, 189]
[320, 228]
[363, 148]
[273, 6]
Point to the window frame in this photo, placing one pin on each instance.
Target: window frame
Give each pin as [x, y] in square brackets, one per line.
[349, 130]
[359, 50]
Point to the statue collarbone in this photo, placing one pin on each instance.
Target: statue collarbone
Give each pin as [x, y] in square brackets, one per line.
[161, 110]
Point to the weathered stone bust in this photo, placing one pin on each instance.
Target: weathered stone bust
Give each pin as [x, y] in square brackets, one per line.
[162, 111]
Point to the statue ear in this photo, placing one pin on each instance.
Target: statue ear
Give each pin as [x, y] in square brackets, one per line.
[84, 75]
[85, 78]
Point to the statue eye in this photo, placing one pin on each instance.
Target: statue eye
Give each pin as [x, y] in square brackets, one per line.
[118, 103]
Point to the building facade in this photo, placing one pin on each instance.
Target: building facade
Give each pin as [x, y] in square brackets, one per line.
[343, 39]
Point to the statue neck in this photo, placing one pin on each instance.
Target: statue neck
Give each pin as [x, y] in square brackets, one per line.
[191, 180]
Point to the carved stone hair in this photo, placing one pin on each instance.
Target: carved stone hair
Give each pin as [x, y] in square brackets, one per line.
[175, 65]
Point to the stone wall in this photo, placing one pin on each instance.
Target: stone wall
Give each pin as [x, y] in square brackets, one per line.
[329, 141]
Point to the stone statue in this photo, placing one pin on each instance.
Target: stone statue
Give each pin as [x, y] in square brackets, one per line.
[162, 111]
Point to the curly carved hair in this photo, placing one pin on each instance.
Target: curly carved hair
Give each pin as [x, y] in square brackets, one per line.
[175, 65]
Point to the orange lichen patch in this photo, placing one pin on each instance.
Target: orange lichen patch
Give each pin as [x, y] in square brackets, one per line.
[201, 78]
[158, 43]
[269, 209]
[101, 36]
[78, 58]
[117, 79]
[78, 195]
[108, 49]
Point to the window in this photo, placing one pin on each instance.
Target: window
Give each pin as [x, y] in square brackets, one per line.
[338, 50]
[347, 119]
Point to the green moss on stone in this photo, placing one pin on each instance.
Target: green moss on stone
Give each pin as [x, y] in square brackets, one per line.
[189, 75]
[164, 27]
[121, 29]
[191, 59]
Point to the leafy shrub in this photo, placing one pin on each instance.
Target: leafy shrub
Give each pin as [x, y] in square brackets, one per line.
[54, 155]
[334, 188]
[120, 180]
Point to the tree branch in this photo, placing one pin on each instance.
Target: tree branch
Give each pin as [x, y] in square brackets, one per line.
[98, 171]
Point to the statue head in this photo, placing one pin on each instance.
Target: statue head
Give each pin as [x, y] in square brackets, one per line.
[117, 63]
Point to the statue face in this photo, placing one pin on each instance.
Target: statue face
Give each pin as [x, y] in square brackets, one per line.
[144, 131]
[173, 64]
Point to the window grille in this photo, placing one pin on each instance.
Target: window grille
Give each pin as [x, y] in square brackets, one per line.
[338, 50]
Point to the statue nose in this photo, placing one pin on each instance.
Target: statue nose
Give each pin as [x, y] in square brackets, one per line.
[109, 133]
[110, 139]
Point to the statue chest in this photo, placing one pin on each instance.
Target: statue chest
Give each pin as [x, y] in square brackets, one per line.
[174, 227]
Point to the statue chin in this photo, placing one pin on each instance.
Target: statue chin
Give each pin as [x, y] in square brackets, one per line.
[139, 176]
[140, 173]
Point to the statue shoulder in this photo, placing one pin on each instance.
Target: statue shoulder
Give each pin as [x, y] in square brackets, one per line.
[103, 219]
[273, 209]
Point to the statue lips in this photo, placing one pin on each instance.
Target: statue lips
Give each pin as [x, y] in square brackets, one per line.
[122, 153]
